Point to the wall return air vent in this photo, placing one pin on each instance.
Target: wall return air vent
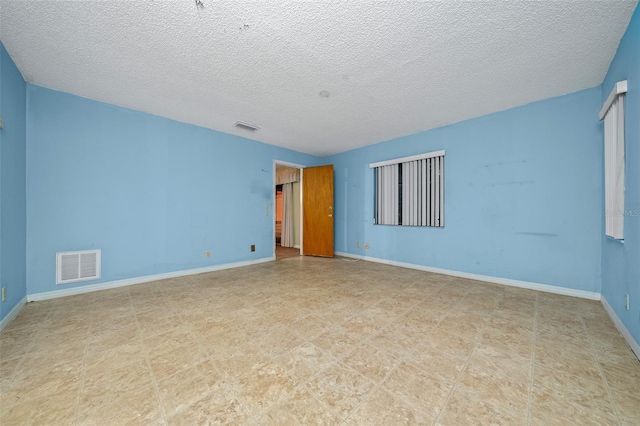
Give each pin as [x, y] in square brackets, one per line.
[74, 266]
[246, 126]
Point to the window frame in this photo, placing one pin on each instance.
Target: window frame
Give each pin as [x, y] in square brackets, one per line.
[427, 189]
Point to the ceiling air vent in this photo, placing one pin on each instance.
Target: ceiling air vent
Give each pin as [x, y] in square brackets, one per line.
[73, 266]
[246, 126]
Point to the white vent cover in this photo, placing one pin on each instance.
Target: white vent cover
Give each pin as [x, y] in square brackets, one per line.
[246, 126]
[73, 266]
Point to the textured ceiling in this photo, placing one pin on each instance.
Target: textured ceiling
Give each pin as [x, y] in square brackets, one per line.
[391, 68]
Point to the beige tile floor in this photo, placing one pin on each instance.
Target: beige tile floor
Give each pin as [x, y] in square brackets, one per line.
[316, 341]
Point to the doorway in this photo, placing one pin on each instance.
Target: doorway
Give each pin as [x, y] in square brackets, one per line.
[313, 232]
[287, 210]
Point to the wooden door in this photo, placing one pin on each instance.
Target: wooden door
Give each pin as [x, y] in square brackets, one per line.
[317, 211]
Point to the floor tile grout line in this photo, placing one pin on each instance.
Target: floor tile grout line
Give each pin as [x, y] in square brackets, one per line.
[304, 383]
[368, 394]
[301, 385]
[27, 352]
[367, 341]
[252, 417]
[148, 360]
[464, 367]
[84, 371]
[273, 359]
[401, 360]
[457, 378]
[601, 371]
[533, 358]
[211, 359]
[379, 385]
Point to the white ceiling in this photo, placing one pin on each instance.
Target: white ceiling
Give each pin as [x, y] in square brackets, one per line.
[392, 68]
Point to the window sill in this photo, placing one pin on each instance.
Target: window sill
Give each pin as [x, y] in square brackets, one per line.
[615, 240]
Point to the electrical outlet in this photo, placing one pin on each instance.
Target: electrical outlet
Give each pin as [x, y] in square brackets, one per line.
[253, 247]
[207, 253]
[366, 246]
[626, 302]
[266, 209]
[4, 294]
[358, 245]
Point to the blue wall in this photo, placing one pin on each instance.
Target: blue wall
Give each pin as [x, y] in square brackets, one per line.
[12, 184]
[621, 262]
[152, 193]
[523, 196]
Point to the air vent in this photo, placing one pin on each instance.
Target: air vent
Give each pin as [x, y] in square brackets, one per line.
[246, 126]
[74, 266]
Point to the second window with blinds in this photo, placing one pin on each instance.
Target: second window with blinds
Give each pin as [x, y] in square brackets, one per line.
[409, 191]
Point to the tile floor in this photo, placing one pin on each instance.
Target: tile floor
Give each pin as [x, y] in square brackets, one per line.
[286, 252]
[316, 341]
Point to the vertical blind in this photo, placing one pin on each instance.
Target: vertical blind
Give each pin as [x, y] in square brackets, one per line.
[388, 195]
[612, 113]
[614, 168]
[410, 191]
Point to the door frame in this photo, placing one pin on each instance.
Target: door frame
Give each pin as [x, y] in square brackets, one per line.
[273, 201]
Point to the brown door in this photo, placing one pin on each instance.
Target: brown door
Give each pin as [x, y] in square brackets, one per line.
[317, 211]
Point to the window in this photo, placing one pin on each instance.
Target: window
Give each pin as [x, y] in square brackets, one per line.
[614, 160]
[410, 191]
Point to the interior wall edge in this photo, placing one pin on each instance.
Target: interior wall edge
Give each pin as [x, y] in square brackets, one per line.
[583, 294]
[36, 297]
[635, 347]
[13, 313]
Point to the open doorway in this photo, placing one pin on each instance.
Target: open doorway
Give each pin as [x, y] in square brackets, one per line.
[287, 209]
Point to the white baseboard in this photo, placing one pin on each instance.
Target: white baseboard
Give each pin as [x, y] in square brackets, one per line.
[296, 246]
[13, 313]
[635, 347]
[139, 280]
[592, 295]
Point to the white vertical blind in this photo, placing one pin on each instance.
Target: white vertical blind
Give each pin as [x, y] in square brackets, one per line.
[420, 194]
[387, 195]
[432, 185]
[441, 196]
[614, 168]
[394, 194]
